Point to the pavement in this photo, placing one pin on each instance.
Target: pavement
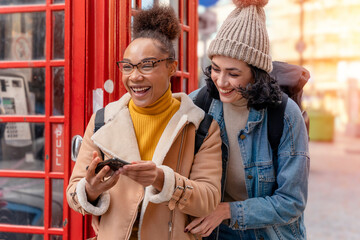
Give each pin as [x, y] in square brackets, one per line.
[333, 208]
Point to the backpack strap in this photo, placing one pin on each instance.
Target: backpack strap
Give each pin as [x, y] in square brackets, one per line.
[275, 123]
[202, 131]
[203, 99]
[99, 122]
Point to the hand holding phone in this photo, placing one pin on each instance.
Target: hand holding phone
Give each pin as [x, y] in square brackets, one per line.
[113, 163]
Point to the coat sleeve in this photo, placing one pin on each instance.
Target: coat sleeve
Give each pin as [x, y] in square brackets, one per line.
[75, 192]
[200, 194]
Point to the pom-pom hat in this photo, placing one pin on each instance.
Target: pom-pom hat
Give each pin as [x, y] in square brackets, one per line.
[243, 35]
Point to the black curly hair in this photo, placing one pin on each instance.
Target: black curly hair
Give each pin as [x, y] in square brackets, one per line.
[159, 23]
[264, 92]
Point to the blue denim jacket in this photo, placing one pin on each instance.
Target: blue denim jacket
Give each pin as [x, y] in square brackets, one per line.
[277, 195]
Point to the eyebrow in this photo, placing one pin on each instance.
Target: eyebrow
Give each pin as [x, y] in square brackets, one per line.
[229, 69]
[142, 60]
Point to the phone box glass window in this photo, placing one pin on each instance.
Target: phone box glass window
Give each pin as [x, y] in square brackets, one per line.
[22, 36]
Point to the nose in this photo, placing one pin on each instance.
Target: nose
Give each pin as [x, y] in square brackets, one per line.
[135, 75]
[221, 80]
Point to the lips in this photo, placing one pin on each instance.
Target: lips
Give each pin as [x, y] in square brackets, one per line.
[139, 90]
[224, 91]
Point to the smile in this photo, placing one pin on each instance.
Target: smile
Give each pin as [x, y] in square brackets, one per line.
[225, 91]
[139, 89]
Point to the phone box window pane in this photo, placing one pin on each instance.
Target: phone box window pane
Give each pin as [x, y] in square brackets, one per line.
[185, 85]
[185, 12]
[22, 91]
[57, 186]
[146, 4]
[22, 146]
[58, 35]
[15, 236]
[185, 51]
[58, 91]
[22, 201]
[20, 2]
[56, 237]
[22, 36]
[58, 1]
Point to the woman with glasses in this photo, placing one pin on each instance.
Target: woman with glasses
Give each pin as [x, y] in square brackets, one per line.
[154, 130]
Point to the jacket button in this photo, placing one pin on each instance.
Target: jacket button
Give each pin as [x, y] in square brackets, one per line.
[249, 176]
[242, 137]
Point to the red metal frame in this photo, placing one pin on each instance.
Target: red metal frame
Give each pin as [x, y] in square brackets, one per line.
[47, 119]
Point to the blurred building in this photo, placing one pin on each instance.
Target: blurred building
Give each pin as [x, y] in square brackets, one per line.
[330, 50]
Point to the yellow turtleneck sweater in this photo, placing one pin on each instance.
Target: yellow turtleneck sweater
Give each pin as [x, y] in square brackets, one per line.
[149, 122]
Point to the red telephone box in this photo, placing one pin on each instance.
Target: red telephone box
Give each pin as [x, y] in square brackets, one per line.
[55, 57]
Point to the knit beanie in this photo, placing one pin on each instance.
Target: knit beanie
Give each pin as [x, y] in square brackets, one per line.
[243, 35]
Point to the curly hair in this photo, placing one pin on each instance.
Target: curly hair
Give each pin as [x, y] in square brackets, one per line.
[159, 23]
[264, 92]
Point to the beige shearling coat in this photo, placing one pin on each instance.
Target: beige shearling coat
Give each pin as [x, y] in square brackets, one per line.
[191, 184]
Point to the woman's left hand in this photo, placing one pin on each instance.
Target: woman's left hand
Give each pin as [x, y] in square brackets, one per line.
[144, 172]
[205, 225]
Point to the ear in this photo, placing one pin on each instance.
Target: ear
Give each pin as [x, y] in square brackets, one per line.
[172, 67]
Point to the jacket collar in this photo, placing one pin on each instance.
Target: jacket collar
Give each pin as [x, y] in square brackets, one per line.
[117, 137]
[255, 116]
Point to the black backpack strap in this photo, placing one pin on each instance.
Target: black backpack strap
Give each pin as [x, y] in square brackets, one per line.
[99, 122]
[275, 123]
[202, 131]
[203, 99]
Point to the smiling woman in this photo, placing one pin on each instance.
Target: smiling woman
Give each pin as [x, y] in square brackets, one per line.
[153, 130]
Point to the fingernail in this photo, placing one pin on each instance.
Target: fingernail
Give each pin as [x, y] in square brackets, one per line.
[186, 230]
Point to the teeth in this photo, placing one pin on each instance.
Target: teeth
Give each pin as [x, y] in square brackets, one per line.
[140, 89]
[224, 91]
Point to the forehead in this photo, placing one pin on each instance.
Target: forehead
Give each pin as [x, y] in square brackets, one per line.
[142, 48]
[228, 62]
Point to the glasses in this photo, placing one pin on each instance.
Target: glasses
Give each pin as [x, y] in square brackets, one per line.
[144, 67]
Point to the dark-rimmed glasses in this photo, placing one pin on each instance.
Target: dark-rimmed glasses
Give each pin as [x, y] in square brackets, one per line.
[144, 67]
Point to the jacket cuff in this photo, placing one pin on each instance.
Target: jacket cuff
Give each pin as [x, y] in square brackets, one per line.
[101, 206]
[168, 187]
[237, 216]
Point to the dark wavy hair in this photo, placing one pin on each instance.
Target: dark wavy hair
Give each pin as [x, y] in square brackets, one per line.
[264, 92]
[159, 23]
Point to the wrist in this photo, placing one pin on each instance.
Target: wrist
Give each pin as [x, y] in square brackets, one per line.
[159, 180]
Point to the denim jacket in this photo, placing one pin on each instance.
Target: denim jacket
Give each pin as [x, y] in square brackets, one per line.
[277, 192]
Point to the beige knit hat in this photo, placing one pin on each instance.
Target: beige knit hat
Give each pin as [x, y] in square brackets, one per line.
[243, 35]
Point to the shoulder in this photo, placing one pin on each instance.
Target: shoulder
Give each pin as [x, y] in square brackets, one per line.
[293, 112]
[193, 94]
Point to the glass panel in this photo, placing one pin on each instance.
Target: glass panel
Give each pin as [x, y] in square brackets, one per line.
[22, 36]
[55, 237]
[58, 34]
[185, 12]
[22, 91]
[22, 146]
[22, 236]
[185, 51]
[57, 147]
[58, 1]
[176, 47]
[185, 85]
[57, 204]
[58, 91]
[146, 4]
[21, 2]
[133, 4]
[22, 201]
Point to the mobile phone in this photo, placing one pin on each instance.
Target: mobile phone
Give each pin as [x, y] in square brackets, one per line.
[113, 163]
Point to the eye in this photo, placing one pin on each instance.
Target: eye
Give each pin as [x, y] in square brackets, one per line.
[234, 74]
[126, 67]
[215, 69]
[146, 66]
